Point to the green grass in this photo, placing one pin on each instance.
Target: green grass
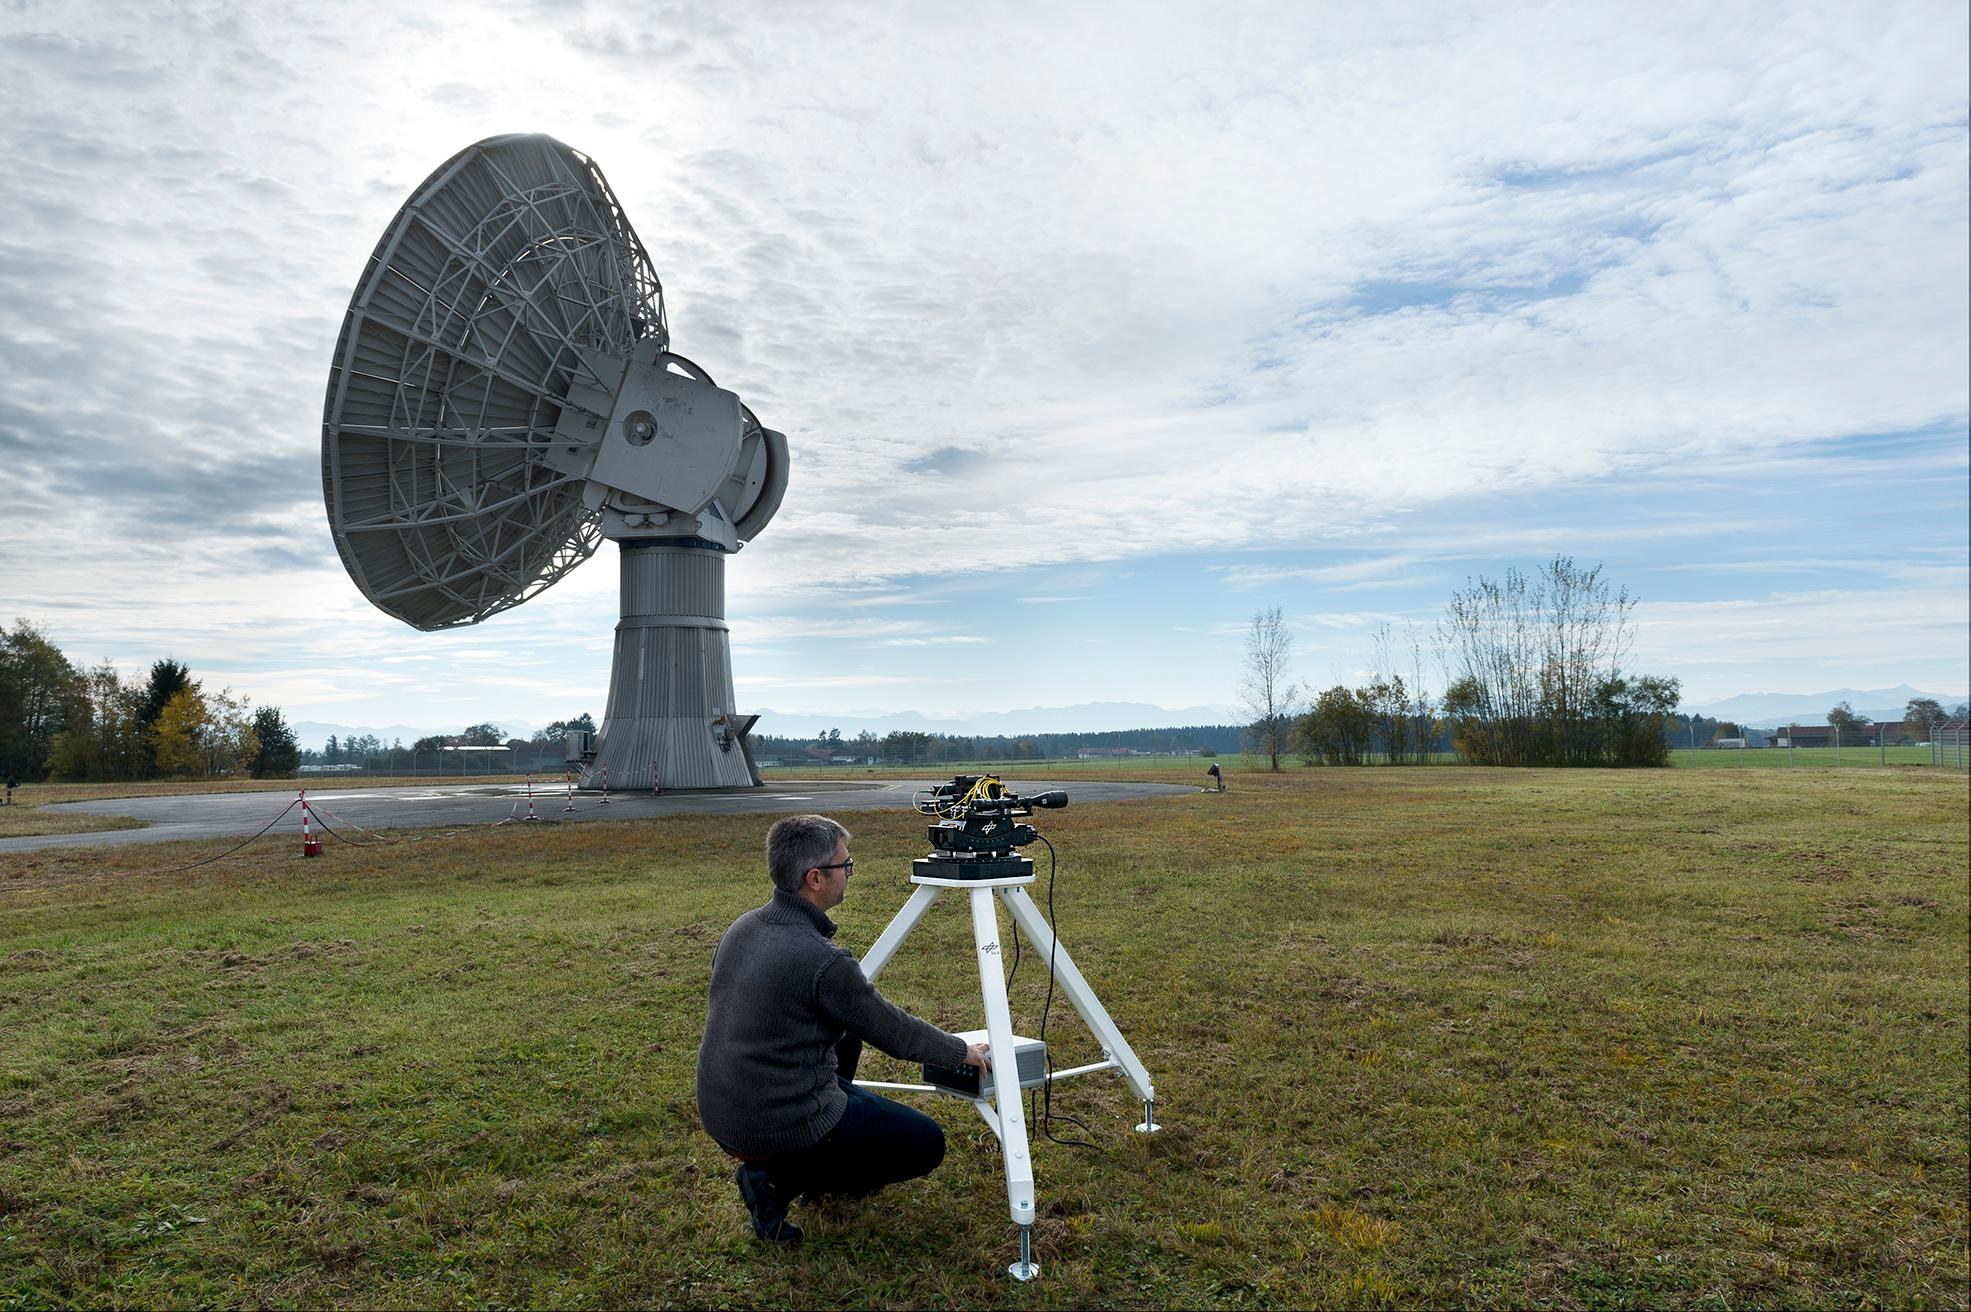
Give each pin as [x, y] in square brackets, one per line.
[1192, 768]
[1824, 758]
[1462, 1037]
[19, 819]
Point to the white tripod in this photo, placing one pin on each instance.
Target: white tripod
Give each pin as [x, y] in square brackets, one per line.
[1008, 1118]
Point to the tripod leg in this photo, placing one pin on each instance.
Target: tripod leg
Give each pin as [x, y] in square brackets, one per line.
[901, 924]
[1005, 1060]
[1069, 977]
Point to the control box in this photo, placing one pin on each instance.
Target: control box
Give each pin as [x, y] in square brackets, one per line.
[965, 1082]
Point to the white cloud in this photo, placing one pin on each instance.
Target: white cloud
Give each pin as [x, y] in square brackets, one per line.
[1036, 287]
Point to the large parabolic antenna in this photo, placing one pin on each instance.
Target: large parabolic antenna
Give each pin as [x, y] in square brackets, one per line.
[503, 398]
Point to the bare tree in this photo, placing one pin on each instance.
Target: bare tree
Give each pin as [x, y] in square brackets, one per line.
[1420, 703]
[1535, 667]
[1270, 696]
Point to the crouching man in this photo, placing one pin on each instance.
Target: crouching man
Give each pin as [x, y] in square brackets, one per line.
[785, 1022]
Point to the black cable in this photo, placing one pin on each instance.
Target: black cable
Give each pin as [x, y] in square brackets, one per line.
[1047, 1117]
[236, 847]
[318, 813]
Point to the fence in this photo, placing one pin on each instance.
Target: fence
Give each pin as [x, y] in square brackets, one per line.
[448, 762]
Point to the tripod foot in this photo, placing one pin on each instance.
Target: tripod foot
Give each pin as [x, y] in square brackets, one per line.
[1149, 1125]
[1026, 1268]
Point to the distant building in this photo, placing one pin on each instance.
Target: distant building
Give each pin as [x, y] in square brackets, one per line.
[1804, 735]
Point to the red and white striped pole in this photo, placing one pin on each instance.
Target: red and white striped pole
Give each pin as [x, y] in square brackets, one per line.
[530, 798]
[571, 792]
[654, 789]
[310, 845]
[605, 787]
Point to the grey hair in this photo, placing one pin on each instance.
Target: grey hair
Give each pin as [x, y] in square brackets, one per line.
[798, 844]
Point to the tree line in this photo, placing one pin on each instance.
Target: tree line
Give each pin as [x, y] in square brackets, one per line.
[60, 720]
[908, 746]
[367, 748]
[1535, 672]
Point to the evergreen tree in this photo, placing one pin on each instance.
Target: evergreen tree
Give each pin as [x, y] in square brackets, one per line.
[279, 754]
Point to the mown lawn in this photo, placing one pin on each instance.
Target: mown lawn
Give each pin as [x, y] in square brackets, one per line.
[1448, 1036]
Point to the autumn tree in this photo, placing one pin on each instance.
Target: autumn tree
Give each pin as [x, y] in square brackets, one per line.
[1340, 729]
[110, 742]
[178, 732]
[168, 678]
[42, 696]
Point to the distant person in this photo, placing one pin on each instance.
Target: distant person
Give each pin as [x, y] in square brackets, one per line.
[785, 1021]
[1217, 778]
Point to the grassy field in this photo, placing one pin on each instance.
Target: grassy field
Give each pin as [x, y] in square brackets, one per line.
[1825, 758]
[1192, 768]
[1449, 1036]
[20, 820]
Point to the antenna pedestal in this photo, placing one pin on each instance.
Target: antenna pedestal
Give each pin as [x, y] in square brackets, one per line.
[670, 681]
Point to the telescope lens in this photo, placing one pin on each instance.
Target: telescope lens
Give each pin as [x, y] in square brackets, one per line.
[1053, 801]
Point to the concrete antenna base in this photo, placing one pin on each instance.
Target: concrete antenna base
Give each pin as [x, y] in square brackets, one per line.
[669, 719]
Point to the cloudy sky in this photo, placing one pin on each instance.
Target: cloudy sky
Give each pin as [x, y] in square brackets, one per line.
[1094, 328]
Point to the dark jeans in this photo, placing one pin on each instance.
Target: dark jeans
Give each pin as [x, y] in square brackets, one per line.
[877, 1142]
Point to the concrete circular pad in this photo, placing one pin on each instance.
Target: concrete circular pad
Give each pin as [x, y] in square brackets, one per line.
[220, 815]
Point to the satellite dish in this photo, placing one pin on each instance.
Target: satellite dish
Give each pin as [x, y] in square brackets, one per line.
[503, 398]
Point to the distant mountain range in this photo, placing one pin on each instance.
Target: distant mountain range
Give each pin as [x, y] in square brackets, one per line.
[1769, 710]
[313, 733]
[1764, 710]
[1088, 717]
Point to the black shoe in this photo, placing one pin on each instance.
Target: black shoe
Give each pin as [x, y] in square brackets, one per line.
[767, 1204]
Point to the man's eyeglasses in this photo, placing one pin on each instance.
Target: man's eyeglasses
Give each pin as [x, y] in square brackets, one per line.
[848, 865]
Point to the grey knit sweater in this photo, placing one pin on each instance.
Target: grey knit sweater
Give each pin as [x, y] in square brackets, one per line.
[782, 996]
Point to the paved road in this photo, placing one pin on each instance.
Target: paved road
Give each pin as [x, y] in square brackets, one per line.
[219, 815]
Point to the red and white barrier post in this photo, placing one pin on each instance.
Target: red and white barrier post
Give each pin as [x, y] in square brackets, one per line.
[571, 792]
[654, 789]
[605, 787]
[310, 845]
[530, 798]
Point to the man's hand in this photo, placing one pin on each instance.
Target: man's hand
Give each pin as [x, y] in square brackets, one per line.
[976, 1055]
